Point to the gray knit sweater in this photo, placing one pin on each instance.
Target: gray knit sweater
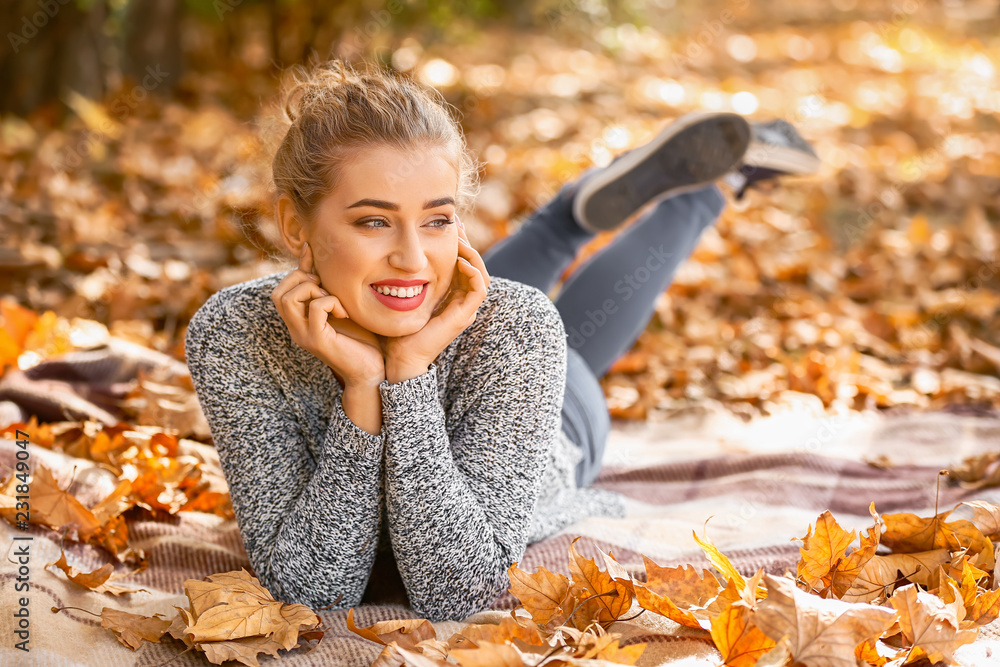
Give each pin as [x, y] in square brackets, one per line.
[470, 467]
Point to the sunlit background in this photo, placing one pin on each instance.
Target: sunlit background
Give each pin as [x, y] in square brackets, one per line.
[131, 170]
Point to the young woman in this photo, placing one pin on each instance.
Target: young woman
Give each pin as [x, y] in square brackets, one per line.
[399, 408]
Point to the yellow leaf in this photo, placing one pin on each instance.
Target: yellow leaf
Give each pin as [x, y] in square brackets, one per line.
[823, 551]
[740, 642]
[722, 563]
[615, 597]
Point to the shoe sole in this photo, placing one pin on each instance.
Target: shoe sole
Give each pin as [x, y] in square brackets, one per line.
[781, 158]
[694, 150]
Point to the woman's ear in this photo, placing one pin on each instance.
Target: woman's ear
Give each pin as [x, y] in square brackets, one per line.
[293, 232]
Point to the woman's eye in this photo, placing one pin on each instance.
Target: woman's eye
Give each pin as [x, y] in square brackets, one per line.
[368, 223]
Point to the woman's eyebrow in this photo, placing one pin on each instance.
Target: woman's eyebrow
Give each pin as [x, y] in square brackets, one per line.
[389, 206]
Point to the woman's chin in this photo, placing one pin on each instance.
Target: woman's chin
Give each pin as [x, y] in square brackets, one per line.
[406, 325]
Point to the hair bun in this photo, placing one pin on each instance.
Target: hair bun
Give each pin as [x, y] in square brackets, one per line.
[310, 87]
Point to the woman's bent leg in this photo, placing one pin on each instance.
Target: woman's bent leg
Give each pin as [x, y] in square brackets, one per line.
[543, 246]
[609, 300]
[585, 417]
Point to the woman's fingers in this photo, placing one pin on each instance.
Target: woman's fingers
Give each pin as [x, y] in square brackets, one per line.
[294, 308]
[306, 259]
[319, 310]
[289, 282]
[473, 257]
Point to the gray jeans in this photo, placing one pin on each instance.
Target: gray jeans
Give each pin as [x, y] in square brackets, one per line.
[609, 300]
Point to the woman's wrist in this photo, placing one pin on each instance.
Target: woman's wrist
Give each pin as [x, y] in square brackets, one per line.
[363, 406]
[396, 372]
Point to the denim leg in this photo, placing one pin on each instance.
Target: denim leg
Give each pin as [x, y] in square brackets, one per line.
[585, 417]
[538, 251]
[608, 301]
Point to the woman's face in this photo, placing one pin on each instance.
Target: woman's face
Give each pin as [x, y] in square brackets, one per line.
[390, 218]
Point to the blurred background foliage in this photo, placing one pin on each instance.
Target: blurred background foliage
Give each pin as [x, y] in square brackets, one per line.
[131, 170]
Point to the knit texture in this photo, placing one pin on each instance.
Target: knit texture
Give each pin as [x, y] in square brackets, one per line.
[471, 464]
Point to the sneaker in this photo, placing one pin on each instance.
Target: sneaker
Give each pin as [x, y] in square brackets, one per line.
[691, 152]
[776, 149]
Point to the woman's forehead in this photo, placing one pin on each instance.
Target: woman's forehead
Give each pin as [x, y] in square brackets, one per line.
[394, 175]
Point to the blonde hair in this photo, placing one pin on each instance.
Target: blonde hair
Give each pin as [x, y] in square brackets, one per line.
[330, 110]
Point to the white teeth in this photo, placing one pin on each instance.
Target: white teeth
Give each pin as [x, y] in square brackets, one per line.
[401, 292]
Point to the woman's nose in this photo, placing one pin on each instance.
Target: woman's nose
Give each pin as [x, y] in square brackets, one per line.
[409, 254]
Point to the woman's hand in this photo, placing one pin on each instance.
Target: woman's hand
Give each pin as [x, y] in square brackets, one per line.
[350, 350]
[409, 356]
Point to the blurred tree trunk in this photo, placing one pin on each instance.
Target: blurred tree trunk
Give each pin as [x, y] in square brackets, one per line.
[50, 48]
[152, 44]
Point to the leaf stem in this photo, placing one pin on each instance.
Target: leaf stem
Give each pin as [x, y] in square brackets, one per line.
[56, 610]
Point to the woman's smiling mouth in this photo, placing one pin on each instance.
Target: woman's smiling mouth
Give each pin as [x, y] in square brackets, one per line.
[398, 297]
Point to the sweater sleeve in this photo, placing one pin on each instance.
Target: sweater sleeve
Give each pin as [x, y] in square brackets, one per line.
[309, 525]
[459, 508]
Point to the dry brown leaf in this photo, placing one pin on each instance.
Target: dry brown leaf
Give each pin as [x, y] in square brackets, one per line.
[55, 508]
[987, 517]
[98, 580]
[880, 574]
[682, 594]
[613, 596]
[822, 632]
[541, 593]
[233, 605]
[618, 572]
[132, 629]
[509, 629]
[929, 625]
[244, 650]
[876, 652]
[488, 654]
[405, 632]
[908, 533]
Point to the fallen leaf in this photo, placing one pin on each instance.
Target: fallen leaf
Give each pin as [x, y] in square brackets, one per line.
[739, 640]
[99, 579]
[821, 632]
[929, 625]
[847, 570]
[541, 593]
[907, 533]
[406, 632]
[682, 594]
[880, 574]
[613, 596]
[132, 629]
[822, 552]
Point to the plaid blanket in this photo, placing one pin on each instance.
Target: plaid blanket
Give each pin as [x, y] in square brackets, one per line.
[758, 486]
